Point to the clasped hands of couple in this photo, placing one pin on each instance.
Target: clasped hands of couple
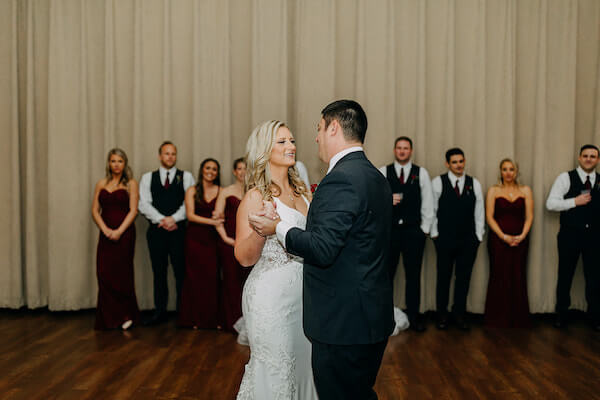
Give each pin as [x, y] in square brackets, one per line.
[264, 221]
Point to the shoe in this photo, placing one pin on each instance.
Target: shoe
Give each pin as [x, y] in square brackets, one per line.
[159, 317]
[417, 325]
[126, 325]
[560, 321]
[462, 323]
[596, 325]
[442, 322]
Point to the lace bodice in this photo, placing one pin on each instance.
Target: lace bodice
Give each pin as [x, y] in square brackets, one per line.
[274, 253]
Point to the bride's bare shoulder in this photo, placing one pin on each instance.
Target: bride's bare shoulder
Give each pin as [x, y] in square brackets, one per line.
[252, 197]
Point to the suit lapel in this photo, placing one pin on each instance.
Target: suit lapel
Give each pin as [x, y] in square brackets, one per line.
[355, 155]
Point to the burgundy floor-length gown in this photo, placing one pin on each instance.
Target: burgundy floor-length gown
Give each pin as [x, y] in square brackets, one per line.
[506, 305]
[114, 265]
[201, 286]
[234, 275]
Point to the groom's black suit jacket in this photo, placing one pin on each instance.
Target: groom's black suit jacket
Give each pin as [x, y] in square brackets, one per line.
[347, 294]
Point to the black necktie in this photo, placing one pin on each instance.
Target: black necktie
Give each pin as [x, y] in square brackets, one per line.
[588, 184]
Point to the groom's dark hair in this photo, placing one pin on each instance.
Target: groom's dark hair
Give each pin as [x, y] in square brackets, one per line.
[351, 117]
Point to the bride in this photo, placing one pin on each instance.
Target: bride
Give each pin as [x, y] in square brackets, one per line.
[280, 354]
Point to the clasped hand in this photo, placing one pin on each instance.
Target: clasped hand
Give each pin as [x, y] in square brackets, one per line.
[113, 234]
[513, 241]
[265, 220]
[583, 199]
[168, 223]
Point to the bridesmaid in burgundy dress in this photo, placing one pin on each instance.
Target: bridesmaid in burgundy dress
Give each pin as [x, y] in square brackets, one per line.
[234, 275]
[114, 209]
[200, 306]
[509, 213]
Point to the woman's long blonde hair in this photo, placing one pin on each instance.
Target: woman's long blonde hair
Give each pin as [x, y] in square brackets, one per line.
[258, 154]
[127, 172]
[510, 160]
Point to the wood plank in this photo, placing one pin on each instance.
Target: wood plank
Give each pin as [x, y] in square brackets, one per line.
[46, 355]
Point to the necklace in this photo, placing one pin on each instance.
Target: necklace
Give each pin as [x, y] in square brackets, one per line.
[509, 191]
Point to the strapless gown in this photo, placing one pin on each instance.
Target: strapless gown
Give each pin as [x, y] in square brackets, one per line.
[507, 305]
[114, 265]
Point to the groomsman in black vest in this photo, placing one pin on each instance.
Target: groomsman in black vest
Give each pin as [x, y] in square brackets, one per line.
[413, 213]
[457, 231]
[576, 194]
[162, 195]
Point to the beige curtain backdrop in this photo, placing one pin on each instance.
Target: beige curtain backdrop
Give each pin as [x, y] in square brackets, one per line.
[78, 77]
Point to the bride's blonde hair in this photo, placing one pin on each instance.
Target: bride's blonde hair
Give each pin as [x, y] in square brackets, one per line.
[258, 154]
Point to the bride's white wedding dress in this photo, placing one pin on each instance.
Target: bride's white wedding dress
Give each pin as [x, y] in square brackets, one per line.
[280, 354]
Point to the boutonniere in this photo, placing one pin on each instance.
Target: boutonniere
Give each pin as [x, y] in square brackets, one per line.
[468, 189]
[313, 187]
[414, 178]
[177, 179]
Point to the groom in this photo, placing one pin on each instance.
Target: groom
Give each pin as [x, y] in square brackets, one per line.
[347, 294]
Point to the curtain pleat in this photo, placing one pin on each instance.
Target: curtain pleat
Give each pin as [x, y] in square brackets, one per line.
[11, 277]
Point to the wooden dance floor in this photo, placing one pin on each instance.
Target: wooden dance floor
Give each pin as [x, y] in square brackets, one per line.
[47, 356]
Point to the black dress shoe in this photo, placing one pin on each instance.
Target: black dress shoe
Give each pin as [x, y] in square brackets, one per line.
[417, 325]
[560, 321]
[462, 323]
[442, 322]
[596, 326]
[157, 318]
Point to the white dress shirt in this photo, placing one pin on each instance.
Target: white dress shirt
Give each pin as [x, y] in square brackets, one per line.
[145, 203]
[283, 227]
[426, 193]
[561, 186]
[334, 160]
[479, 213]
